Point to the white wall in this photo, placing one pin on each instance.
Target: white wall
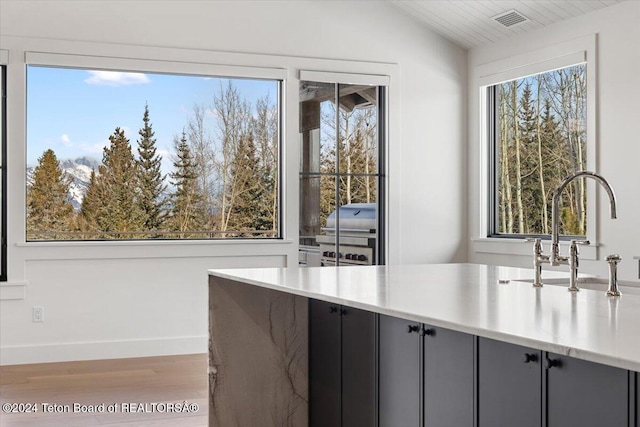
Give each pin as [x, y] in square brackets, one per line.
[617, 143]
[124, 300]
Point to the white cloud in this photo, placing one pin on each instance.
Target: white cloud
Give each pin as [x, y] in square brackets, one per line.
[64, 138]
[116, 78]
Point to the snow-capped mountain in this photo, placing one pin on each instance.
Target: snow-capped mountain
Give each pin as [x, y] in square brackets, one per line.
[79, 171]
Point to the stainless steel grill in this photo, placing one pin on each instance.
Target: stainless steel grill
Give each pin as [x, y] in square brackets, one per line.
[356, 240]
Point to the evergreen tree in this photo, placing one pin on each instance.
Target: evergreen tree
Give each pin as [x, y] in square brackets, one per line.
[48, 205]
[91, 205]
[187, 198]
[249, 211]
[531, 192]
[265, 129]
[150, 178]
[119, 211]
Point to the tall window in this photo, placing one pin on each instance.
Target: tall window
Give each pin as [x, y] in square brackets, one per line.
[130, 155]
[538, 134]
[341, 173]
[3, 176]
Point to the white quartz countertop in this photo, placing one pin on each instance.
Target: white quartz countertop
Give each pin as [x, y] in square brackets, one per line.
[468, 298]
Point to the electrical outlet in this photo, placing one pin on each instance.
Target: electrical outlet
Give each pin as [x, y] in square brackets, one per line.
[38, 314]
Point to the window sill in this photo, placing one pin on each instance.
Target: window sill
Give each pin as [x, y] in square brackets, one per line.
[13, 291]
[517, 247]
[149, 249]
[153, 243]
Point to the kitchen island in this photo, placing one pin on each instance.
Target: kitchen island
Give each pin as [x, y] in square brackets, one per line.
[272, 345]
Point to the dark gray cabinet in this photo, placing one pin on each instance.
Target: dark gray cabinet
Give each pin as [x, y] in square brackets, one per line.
[426, 375]
[342, 366]
[399, 376]
[358, 368]
[509, 385]
[325, 376]
[448, 380]
[376, 370]
[585, 394]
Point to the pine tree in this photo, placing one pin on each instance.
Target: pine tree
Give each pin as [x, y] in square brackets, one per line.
[119, 212]
[187, 198]
[150, 178]
[265, 129]
[248, 212]
[91, 206]
[48, 205]
[531, 192]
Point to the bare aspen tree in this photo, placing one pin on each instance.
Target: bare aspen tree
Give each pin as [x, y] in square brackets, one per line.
[516, 138]
[507, 202]
[579, 85]
[203, 153]
[232, 115]
[545, 227]
[345, 138]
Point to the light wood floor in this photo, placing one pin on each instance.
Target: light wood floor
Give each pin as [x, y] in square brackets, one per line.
[141, 381]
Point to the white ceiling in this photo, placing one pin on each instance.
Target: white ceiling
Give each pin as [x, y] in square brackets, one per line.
[470, 23]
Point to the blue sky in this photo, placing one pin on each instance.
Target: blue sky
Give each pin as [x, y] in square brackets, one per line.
[73, 111]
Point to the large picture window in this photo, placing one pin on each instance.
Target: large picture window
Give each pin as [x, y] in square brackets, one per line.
[131, 155]
[538, 136]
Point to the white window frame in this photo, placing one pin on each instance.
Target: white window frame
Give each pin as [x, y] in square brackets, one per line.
[581, 50]
[152, 66]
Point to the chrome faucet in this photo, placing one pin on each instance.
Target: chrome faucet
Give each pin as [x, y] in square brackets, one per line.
[555, 258]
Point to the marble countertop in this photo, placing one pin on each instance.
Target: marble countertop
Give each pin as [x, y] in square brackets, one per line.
[469, 298]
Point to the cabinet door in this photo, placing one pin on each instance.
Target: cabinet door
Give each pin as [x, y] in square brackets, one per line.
[509, 385]
[448, 378]
[399, 372]
[586, 394]
[358, 368]
[324, 364]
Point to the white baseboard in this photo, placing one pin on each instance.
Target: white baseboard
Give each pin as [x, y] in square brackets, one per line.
[64, 352]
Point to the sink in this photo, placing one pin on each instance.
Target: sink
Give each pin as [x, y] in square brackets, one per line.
[593, 283]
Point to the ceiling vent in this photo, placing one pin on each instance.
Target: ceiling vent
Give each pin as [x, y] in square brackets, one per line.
[510, 18]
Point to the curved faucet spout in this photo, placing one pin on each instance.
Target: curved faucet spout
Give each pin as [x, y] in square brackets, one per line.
[555, 214]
